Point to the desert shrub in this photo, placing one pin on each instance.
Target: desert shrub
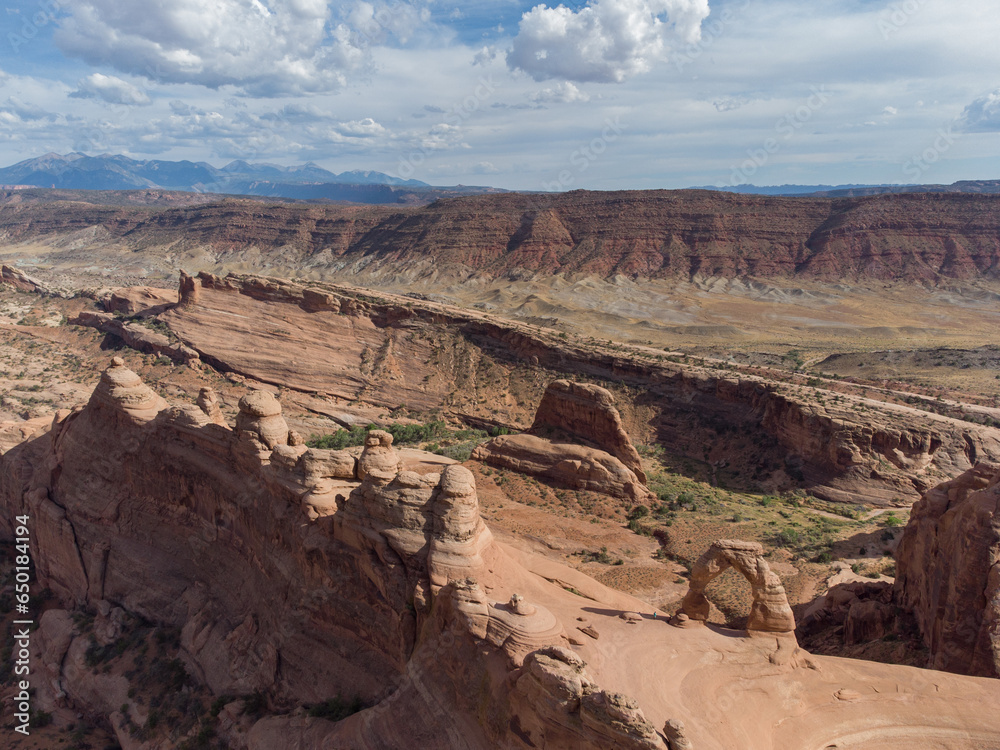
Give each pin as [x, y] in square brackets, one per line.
[402, 434]
[602, 557]
[639, 511]
[340, 439]
[891, 520]
[787, 538]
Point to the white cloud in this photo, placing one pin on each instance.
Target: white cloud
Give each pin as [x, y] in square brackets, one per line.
[27, 112]
[564, 93]
[294, 47]
[982, 115]
[366, 128]
[890, 111]
[484, 167]
[607, 41]
[109, 89]
[485, 56]
[376, 23]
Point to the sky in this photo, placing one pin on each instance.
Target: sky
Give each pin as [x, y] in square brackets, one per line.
[602, 95]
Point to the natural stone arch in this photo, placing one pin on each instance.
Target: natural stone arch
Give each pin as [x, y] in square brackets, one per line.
[769, 613]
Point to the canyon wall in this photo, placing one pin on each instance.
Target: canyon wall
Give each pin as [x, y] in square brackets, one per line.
[396, 351]
[656, 234]
[948, 572]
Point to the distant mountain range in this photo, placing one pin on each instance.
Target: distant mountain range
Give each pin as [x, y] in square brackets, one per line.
[76, 171]
[847, 191]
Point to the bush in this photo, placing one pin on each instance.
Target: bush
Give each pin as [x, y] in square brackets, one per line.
[402, 434]
[787, 538]
[639, 511]
[601, 557]
[891, 520]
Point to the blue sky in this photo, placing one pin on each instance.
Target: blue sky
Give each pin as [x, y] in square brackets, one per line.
[606, 94]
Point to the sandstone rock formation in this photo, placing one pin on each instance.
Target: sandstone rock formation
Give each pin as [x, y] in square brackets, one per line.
[677, 739]
[19, 280]
[145, 301]
[391, 351]
[137, 336]
[122, 393]
[260, 419]
[586, 412]
[16, 432]
[573, 466]
[397, 594]
[853, 613]
[948, 571]
[208, 402]
[569, 414]
[769, 612]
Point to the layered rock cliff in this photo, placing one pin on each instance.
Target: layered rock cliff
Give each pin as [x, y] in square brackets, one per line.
[657, 234]
[948, 572]
[396, 351]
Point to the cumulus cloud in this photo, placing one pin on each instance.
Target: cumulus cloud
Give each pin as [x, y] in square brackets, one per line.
[26, 112]
[377, 23]
[983, 115]
[564, 93]
[109, 89]
[266, 48]
[606, 41]
[366, 128]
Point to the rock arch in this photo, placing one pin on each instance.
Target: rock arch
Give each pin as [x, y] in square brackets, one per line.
[769, 613]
